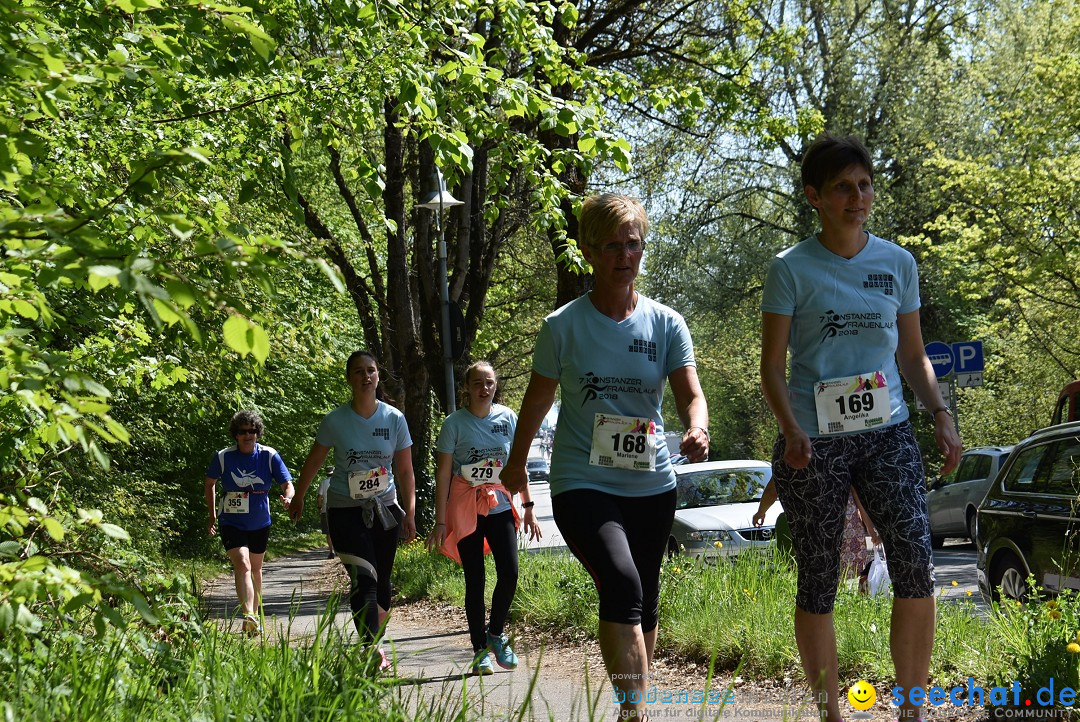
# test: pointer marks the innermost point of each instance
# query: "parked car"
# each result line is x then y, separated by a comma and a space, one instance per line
715, 508
954, 498
1027, 524
539, 470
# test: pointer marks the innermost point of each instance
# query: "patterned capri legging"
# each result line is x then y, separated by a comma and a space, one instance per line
886, 469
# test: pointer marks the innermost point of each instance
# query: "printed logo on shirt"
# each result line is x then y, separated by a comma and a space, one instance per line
501, 428
357, 455
245, 478
475, 456
884, 281
849, 324
646, 347
382, 433
595, 387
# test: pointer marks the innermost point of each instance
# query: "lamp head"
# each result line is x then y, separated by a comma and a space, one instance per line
436, 196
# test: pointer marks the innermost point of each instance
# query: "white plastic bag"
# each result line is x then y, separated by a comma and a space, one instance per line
878, 577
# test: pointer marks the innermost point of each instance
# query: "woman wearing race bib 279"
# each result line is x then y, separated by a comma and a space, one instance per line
612, 483
846, 303
474, 512
371, 500
246, 470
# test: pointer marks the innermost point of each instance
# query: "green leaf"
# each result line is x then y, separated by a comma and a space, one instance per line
10, 549
116, 532
27, 620
236, 334
37, 505
260, 343
25, 309
54, 528
7, 616
165, 312
143, 608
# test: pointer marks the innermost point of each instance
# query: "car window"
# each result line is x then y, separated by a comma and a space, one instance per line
1022, 473
966, 471
721, 486
982, 466
1064, 473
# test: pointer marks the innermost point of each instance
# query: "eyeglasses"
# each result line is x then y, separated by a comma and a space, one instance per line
245, 432
617, 249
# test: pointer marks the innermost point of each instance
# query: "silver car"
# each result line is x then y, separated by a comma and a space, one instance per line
952, 499
715, 509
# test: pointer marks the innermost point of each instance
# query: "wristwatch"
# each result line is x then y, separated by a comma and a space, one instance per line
939, 409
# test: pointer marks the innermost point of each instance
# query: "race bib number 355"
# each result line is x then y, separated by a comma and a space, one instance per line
368, 483
623, 442
852, 403
236, 502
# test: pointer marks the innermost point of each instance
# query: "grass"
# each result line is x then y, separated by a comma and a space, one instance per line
740, 613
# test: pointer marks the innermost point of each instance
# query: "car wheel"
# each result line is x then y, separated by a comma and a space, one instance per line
971, 525
672, 548
1010, 576
936, 541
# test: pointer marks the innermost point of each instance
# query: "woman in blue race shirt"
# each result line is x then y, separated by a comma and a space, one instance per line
610, 354
846, 304
247, 470
371, 500
474, 512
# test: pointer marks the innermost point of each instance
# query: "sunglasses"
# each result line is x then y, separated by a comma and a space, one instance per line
245, 432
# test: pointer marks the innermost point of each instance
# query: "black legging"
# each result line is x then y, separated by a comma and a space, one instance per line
621, 541
502, 538
374, 548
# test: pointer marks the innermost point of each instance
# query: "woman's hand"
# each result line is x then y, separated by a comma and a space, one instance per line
408, 528
797, 450
295, 507
759, 517
212, 529
514, 477
436, 538
531, 526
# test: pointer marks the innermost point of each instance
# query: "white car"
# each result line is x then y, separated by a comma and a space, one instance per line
715, 509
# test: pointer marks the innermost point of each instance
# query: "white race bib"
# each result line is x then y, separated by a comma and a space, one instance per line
623, 442
483, 472
368, 483
852, 403
235, 502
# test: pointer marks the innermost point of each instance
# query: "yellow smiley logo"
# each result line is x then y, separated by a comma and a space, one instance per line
862, 695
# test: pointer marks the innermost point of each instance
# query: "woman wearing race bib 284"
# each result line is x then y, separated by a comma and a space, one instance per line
247, 471
846, 304
371, 500
474, 512
610, 352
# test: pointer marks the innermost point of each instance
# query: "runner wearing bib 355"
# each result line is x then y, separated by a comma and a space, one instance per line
474, 513
612, 484
370, 502
846, 303
247, 471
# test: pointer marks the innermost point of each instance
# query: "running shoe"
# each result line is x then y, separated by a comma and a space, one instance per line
384, 661
481, 666
504, 653
251, 625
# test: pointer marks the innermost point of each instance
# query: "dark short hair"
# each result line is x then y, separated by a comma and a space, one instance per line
476, 366
246, 419
828, 156
364, 353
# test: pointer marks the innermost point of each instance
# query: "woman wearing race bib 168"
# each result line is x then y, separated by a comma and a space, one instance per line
474, 511
612, 483
846, 303
371, 500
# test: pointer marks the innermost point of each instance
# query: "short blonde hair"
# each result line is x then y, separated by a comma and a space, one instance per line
603, 214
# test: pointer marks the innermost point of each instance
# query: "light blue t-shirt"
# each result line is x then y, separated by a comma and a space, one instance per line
843, 317
471, 440
609, 367
361, 444
253, 473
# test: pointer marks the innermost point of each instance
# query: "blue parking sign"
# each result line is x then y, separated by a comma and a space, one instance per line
941, 357
967, 357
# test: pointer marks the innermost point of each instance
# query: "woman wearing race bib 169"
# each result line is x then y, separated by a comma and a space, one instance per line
846, 303
371, 500
612, 483
474, 512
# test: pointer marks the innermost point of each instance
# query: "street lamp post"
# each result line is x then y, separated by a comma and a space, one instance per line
435, 200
